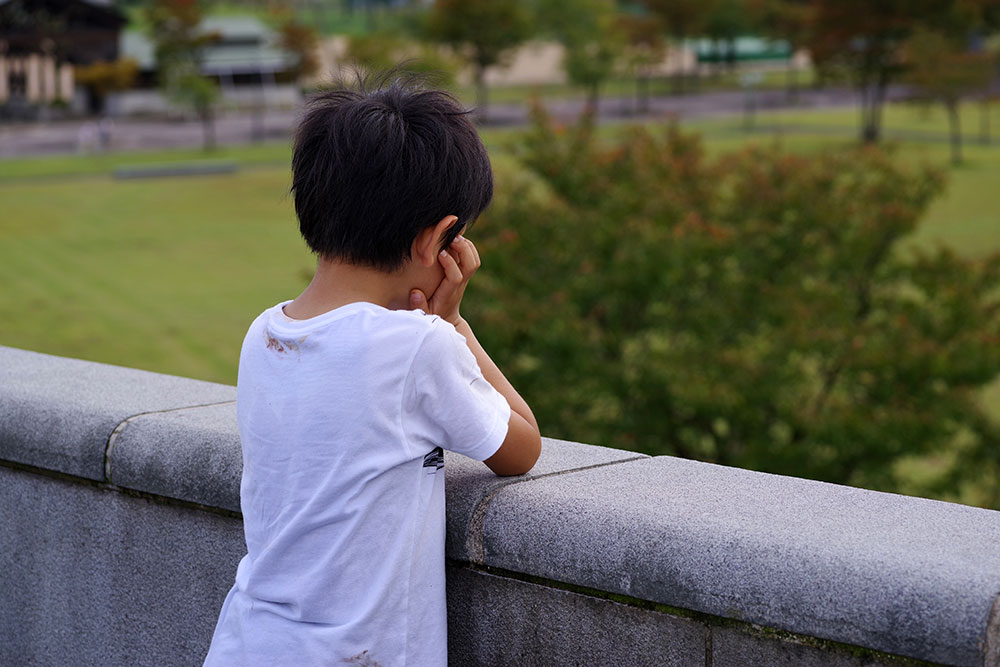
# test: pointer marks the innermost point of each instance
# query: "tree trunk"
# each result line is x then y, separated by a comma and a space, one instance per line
207, 128
955, 131
872, 100
642, 93
869, 132
257, 123
873, 80
593, 99
482, 94
677, 78
791, 82
749, 108
984, 122
719, 58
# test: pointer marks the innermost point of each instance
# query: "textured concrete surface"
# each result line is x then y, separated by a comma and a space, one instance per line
740, 648
58, 413
495, 621
96, 577
470, 485
903, 575
191, 454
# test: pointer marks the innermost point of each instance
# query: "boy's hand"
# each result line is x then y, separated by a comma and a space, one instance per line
459, 261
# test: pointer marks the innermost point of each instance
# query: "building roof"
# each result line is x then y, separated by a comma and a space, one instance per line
80, 31
75, 8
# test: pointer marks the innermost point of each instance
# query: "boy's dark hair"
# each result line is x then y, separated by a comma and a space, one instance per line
377, 162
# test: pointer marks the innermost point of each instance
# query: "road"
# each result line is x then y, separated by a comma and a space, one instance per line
128, 134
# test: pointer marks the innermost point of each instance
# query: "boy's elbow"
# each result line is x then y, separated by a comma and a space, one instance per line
519, 451
528, 456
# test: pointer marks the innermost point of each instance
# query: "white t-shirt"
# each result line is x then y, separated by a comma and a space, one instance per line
342, 419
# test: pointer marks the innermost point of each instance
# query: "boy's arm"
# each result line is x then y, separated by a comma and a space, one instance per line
523, 444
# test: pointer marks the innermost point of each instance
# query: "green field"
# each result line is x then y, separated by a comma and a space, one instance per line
166, 274
158, 274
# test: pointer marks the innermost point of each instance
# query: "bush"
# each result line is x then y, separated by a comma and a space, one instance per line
756, 310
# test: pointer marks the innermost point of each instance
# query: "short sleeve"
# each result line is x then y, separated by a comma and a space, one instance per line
446, 400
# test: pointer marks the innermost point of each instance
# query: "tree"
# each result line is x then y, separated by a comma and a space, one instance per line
179, 43
386, 50
644, 50
189, 88
592, 37
728, 20
302, 40
681, 19
787, 20
484, 31
866, 39
944, 70
753, 309
101, 78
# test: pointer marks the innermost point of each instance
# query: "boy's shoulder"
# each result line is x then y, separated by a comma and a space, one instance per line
352, 314
359, 324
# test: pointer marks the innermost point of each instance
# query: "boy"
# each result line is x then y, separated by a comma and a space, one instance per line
347, 394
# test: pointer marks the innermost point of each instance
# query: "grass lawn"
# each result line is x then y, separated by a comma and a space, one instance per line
274, 154
165, 274
158, 274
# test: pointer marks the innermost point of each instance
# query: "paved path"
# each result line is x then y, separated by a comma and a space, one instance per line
26, 139
127, 134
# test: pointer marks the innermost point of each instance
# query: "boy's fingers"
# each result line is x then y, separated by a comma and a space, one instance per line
452, 271
475, 253
418, 300
469, 257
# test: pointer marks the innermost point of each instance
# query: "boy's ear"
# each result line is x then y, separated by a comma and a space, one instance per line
428, 242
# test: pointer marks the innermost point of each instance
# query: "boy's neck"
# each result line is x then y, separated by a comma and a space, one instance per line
337, 283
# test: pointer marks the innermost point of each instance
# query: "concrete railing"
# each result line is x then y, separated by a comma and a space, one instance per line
119, 513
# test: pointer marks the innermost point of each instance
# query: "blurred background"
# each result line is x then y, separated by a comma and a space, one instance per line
762, 233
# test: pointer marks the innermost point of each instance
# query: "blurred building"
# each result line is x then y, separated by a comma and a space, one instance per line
746, 49
246, 60
41, 41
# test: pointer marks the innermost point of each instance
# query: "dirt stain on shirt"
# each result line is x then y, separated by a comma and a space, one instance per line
274, 344
281, 347
362, 660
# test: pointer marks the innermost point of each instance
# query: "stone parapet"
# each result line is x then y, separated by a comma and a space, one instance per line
119, 506
60, 414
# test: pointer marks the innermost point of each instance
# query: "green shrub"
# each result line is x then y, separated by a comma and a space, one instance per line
754, 310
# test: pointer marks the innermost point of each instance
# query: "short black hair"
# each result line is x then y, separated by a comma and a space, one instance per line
380, 160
